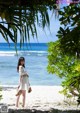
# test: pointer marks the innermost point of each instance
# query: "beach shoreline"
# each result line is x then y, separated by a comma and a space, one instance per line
41, 97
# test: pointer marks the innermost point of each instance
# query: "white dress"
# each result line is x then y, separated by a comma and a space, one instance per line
24, 84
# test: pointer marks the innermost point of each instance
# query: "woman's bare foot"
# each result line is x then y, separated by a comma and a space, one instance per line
23, 106
16, 106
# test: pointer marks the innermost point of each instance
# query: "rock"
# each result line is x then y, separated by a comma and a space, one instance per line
40, 111
65, 111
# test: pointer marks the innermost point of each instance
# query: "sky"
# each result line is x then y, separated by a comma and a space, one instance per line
46, 35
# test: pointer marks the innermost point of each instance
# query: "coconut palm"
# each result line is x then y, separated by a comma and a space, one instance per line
22, 16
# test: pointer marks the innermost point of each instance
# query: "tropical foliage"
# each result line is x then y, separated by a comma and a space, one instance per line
20, 17
69, 35
64, 66
64, 54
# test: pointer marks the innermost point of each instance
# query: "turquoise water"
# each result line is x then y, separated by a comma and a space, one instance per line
36, 64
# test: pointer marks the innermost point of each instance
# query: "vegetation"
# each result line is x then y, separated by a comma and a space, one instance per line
64, 66
69, 35
20, 18
64, 54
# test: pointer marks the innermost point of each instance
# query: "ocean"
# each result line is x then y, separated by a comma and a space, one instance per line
36, 64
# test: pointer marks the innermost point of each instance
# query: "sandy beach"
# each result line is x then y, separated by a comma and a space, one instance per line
41, 97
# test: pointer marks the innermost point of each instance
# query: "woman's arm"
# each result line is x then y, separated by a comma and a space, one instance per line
22, 72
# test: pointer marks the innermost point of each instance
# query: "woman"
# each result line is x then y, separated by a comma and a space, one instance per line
24, 81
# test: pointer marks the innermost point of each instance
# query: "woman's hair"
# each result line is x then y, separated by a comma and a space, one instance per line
19, 62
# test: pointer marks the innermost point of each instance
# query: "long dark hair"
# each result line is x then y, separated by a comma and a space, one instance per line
19, 62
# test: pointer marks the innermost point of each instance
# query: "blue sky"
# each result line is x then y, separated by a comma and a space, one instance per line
46, 35
54, 27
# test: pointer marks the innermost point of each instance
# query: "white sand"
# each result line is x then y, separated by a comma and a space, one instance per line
41, 97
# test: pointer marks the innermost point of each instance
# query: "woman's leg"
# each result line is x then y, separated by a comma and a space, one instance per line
24, 97
17, 101
19, 92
